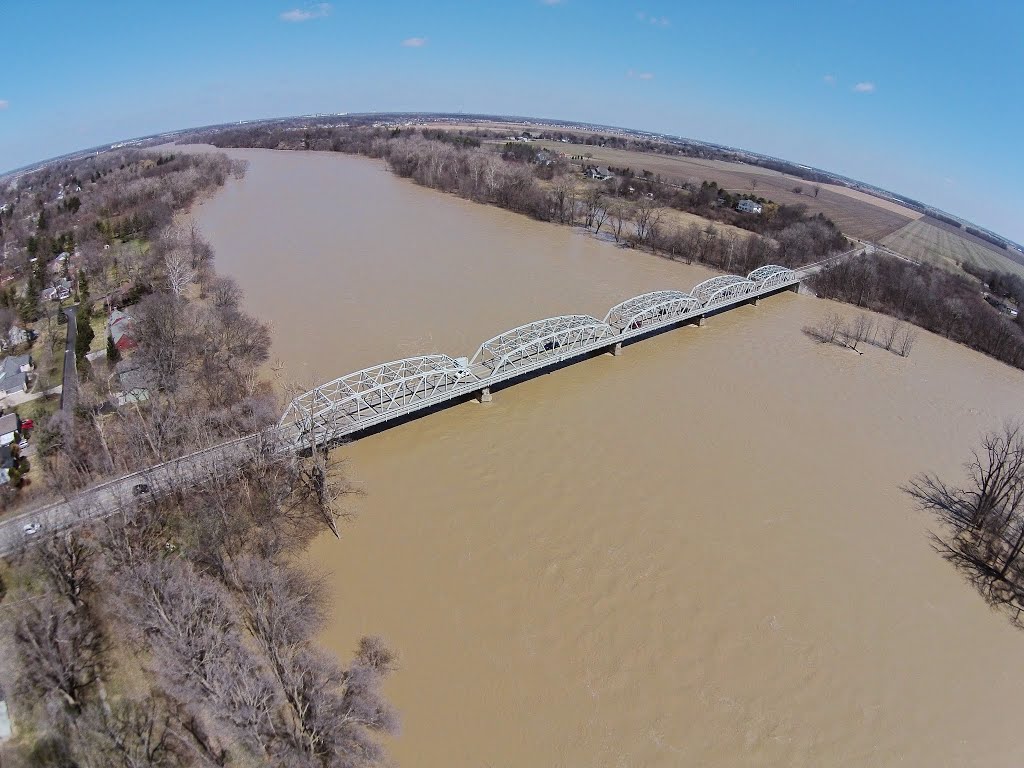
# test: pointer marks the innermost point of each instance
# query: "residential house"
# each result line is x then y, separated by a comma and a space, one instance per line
14, 371
60, 290
10, 426
120, 328
15, 338
543, 157
749, 206
132, 385
600, 173
5, 718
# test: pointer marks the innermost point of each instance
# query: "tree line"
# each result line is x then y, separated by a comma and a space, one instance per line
632, 210
183, 633
946, 304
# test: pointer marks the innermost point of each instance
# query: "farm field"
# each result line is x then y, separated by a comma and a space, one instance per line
924, 241
857, 214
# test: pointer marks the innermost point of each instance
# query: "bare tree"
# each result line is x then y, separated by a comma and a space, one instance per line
620, 213
891, 331
648, 215
180, 271
829, 329
983, 520
59, 651
858, 330
602, 210
907, 340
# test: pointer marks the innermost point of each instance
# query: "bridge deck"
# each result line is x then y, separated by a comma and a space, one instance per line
334, 411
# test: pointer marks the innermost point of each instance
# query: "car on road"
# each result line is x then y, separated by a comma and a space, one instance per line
31, 529
141, 488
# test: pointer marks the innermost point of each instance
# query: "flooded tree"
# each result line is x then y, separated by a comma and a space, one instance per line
982, 519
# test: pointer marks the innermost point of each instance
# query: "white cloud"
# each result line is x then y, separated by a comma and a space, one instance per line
4, 103
657, 21
864, 88
317, 11
634, 75
414, 42
829, 79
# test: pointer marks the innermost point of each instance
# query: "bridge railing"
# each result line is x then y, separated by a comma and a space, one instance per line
380, 393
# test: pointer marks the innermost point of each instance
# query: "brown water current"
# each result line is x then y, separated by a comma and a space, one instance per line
696, 553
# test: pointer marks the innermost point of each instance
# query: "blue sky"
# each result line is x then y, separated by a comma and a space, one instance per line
923, 98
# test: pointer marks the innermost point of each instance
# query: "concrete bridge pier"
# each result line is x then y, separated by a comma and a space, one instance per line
485, 395
617, 349
702, 321
756, 301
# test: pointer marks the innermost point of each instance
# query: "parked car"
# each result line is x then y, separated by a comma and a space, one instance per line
31, 529
27, 424
23, 444
138, 490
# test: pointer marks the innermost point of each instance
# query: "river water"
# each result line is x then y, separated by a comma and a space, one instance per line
696, 553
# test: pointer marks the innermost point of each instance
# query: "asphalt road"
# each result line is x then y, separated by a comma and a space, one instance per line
69, 392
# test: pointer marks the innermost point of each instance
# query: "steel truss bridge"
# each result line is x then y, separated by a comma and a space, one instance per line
382, 393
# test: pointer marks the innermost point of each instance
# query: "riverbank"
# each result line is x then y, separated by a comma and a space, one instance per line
694, 553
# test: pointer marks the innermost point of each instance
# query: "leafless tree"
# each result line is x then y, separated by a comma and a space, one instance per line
907, 340
829, 329
858, 330
620, 213
891, 331
59, 650
180, 272
983, 520
647, 216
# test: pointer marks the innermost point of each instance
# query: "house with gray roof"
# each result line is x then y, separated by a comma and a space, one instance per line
14, 372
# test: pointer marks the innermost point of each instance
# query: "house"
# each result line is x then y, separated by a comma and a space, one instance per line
16, 337
133, 385
543, 157
600, 173
749, 206
10, 426
60, 290
5, 718
14, 372
120, 327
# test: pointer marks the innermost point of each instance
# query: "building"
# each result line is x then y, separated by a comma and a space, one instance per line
600, 173
120, 328
15, 338
749, 206
10, 426
14, 371
60, 290
132, 385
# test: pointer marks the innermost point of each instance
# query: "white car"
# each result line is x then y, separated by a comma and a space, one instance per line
23, 444
31, 529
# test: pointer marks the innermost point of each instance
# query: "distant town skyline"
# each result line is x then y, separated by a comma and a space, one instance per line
863, 89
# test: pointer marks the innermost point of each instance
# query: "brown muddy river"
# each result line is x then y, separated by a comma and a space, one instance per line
696, 553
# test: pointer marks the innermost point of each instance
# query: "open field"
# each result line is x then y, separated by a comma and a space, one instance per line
924, 241
857, 216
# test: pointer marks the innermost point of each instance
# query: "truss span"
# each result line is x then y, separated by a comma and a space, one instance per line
371, 395
716, 289
534, 342
771, 275
651, 308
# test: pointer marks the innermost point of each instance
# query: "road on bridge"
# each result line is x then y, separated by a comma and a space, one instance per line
111, 497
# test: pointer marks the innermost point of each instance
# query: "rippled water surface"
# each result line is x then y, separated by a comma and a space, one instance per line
696, 553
